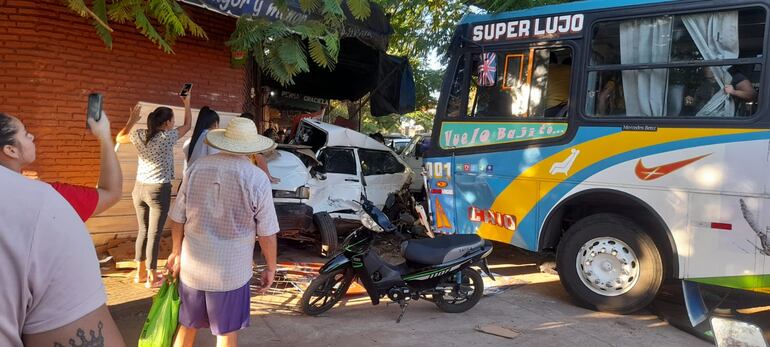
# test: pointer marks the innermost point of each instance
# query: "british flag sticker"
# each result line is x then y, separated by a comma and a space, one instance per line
488, 70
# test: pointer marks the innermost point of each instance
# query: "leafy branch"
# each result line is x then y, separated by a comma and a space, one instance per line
285, 49
162, 21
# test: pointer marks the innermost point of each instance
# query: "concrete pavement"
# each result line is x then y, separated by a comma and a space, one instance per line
539, 309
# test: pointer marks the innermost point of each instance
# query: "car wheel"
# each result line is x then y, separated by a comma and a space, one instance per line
328, 232
608, 263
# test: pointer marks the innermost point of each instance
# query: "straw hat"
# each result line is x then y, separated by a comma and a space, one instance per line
240, 137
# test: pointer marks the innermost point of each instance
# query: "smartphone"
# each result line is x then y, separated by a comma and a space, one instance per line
185, 89
94, 107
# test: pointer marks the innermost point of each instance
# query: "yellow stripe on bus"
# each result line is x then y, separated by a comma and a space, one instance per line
522, 194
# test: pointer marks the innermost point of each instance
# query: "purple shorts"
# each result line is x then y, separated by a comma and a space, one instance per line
223, 312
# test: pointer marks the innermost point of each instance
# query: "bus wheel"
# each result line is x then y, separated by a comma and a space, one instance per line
608, 263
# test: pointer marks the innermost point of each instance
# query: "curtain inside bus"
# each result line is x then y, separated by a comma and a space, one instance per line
716, 36
646, 92
645, 41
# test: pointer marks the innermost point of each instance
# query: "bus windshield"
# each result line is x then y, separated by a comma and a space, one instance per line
532, 83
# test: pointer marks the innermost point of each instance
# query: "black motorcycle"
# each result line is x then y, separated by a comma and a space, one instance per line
436, 269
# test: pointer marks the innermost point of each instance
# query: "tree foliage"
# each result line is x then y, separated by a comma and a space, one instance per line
285, 49
161, 21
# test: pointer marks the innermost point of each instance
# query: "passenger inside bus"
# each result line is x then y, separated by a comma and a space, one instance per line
539, 88
621, 83
557, 90
739, 88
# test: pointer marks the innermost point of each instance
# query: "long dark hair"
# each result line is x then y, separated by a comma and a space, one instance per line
156, 118
8, 130
206, 118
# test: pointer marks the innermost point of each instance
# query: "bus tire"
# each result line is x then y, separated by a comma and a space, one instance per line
606, 262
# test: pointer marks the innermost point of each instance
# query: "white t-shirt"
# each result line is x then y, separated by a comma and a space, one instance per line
48, 268
201, 149
156, 158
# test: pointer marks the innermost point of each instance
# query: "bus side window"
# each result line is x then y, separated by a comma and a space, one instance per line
550, 83
693, 79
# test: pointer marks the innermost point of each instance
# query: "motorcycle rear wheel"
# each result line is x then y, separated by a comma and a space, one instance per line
325, 291
464, 295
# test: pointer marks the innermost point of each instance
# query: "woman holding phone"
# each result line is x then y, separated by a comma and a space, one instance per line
152, 191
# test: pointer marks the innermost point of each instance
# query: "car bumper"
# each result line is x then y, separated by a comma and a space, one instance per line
294, 216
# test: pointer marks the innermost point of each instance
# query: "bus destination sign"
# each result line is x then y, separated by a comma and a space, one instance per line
522, 29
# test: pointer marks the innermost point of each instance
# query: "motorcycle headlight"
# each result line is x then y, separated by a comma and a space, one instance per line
369, 222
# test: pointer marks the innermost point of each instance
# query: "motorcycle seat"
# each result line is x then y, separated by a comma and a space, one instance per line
440, 250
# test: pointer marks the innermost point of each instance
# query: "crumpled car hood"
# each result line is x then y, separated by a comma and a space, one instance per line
289, 169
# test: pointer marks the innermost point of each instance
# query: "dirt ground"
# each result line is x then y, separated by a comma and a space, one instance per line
534, 305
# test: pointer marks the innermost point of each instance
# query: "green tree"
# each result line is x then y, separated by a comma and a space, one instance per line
162, 21
281, 48
284, 49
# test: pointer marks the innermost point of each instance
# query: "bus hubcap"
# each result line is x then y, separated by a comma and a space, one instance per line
607, 266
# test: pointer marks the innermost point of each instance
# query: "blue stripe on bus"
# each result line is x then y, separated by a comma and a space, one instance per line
547, 203
501, 160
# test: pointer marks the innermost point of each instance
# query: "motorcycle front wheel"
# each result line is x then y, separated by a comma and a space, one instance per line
325, 291
467, 289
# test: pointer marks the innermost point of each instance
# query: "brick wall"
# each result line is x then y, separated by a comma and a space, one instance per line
51, 59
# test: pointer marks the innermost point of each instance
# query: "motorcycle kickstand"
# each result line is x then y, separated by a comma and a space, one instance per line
403, 304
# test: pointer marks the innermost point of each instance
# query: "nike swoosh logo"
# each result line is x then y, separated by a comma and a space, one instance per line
653, 173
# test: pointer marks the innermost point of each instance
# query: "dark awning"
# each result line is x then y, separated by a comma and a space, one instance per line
362, 65
374, 31
395, 90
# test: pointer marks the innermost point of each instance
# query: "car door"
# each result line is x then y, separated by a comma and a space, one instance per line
384, 174
339, 183
412, 155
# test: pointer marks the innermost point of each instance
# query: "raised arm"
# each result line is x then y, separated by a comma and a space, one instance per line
123, 134
110, 186
187, 125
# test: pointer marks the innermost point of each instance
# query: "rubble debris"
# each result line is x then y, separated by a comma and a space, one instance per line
498, 330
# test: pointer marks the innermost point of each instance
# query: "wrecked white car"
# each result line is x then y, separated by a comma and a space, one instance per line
324, 173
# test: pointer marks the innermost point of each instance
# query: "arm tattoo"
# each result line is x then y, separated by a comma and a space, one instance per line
93, 341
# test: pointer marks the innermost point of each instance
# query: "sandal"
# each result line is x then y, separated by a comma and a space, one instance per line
155, 284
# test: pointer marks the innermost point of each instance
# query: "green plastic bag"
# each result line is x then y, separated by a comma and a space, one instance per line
161, 323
